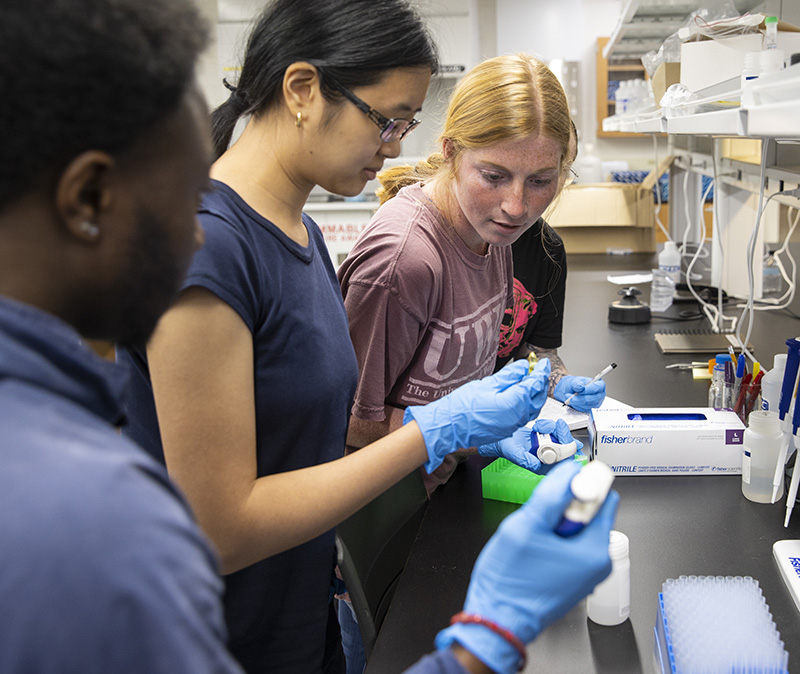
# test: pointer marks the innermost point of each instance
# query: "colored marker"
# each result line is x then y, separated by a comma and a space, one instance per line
741, 369
739, 406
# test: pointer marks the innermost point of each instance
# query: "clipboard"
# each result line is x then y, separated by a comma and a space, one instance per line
696, 341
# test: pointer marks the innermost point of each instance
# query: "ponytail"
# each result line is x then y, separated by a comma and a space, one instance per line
396, 178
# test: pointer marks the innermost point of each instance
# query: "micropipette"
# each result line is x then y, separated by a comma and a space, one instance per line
792, 363
788, 387
792, 495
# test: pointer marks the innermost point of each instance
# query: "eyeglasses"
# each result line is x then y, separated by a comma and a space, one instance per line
573, 176
391, 129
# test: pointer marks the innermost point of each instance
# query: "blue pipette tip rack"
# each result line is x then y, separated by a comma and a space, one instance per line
716, 624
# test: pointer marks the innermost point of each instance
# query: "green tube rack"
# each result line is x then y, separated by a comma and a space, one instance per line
502, 480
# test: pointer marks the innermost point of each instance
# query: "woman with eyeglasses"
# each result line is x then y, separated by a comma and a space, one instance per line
245, 389
428, 282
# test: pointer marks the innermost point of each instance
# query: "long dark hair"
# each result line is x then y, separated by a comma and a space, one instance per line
351, 42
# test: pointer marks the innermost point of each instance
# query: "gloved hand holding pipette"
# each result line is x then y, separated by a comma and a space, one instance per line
527, 576
582, 393
482, 411
519, 448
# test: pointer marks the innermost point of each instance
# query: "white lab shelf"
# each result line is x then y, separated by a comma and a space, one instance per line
771, 109
776, 120
717, 123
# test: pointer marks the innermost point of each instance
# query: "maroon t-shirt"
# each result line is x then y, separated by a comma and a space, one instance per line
424, 310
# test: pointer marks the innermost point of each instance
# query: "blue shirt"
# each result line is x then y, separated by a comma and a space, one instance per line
101, 567
305, 377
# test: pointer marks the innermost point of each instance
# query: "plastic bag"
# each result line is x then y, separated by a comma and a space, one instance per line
719, 18
676, 99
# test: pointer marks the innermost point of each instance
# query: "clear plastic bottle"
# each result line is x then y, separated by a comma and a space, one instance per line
621, 97
771, 383
610, 602
752, 66
717, 387
771, 58
771, 32
669, 259
662, 288
762, 442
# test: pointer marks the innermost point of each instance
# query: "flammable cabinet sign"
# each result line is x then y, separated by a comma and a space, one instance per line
668, 440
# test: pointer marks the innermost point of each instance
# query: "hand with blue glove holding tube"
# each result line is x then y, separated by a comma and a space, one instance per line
527, 576
521, 449
552, 442
481, 411
581, 393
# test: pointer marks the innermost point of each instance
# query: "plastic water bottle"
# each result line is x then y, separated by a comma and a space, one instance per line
662, 289
669, 259
621, 98
762, 442
610, 602
771, 383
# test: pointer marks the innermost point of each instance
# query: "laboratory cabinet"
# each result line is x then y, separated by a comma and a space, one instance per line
610, 73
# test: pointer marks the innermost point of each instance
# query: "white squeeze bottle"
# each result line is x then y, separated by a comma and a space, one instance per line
610, 602
762, 442
771, 384
669, 259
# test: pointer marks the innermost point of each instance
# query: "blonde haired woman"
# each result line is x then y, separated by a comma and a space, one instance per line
428, 282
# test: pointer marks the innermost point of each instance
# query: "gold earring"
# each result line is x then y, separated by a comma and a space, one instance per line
89, 229
299, 121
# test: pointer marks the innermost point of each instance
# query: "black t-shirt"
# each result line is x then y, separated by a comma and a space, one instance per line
540, 280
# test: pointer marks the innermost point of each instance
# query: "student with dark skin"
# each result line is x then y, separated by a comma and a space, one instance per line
106, 154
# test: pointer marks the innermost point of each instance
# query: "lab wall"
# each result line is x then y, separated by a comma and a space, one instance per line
468, 31
568, 30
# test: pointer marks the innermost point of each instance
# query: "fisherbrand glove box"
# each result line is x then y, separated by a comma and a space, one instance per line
668, 441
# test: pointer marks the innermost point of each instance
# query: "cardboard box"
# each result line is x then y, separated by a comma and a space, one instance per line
705, 63
664, 77
594, 218
668, 440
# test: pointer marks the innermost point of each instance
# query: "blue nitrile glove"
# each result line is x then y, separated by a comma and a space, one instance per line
558, 429
586, 398
527, 576
481, 411
516, 449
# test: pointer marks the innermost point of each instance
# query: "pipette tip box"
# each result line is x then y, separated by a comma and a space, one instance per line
502, 480
716, 624
668, 440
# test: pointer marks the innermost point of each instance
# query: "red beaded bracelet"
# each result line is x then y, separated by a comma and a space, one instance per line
511, 638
